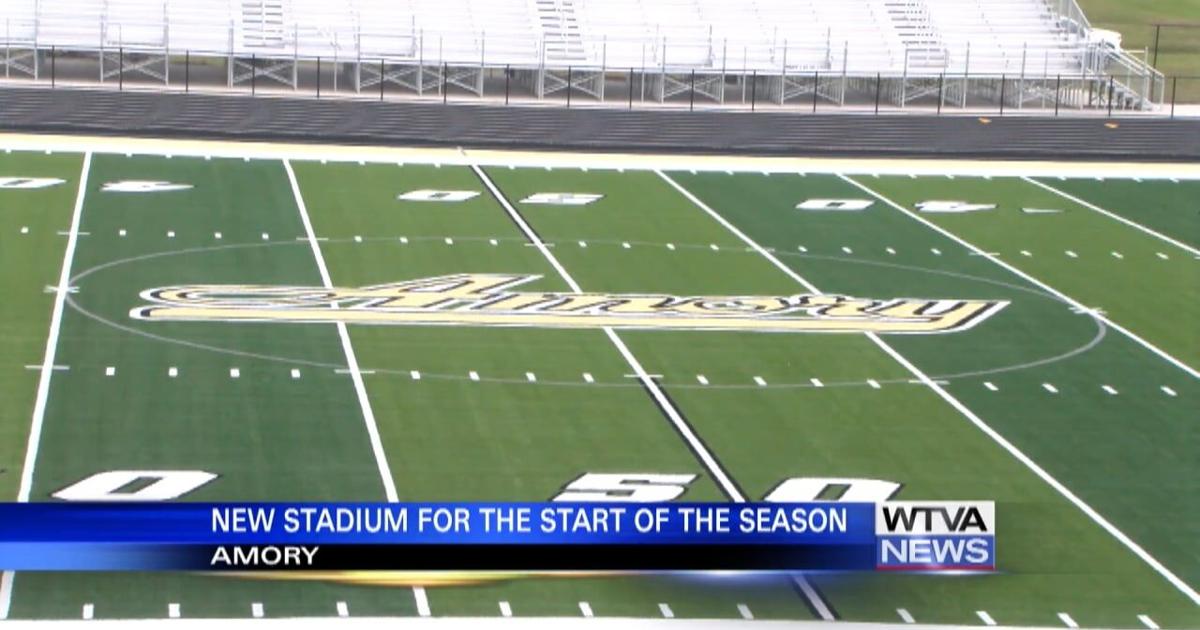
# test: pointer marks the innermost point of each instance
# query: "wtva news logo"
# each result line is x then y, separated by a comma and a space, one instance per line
935, 536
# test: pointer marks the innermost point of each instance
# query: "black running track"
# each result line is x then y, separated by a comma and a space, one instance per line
402, 123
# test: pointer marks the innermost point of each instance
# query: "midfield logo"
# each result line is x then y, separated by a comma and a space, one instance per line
487, 299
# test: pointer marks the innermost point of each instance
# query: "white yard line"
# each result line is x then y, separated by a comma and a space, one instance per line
951, 400
651, 385
697, 446
1116, 217
43, 390
1049, 289
360, 389
1162, 570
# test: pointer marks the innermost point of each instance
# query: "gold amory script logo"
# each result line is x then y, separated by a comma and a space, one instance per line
487, 299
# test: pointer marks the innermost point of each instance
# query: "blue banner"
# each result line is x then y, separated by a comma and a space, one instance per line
469, 536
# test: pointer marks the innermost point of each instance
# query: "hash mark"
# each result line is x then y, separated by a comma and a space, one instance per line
256, 610
505, 609
1025, 252
936, 251
1067, 620
587, 377
803, 249
1168, 391
173, 610
1108, 389
759, 381
848, 250
891, 251
985, 618
745, 611
1163, 256
666, 611
816, 382
713, 246
873, 383
1148, 622
990, 386
585, 608
905, 615
703, 380
1050, 388
343, 610
531, 377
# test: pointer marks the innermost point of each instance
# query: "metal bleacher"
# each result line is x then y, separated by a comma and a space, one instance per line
823, 48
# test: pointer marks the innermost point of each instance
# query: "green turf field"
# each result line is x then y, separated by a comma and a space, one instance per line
1072, 404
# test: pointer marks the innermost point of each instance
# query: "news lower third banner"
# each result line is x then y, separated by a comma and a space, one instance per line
820, 536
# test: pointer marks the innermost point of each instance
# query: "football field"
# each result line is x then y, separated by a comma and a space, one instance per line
208, 326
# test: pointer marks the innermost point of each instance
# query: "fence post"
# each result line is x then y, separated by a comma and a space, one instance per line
187, 71
1174, 91
381, 81
631, 87
816, 82
253, 74
52, 66
878, 90
507, 79
1111, 86
570, 75
1003, 84
941, 88
692, 96
120, 69
753, 88
318, 77
445, 85
1057, 92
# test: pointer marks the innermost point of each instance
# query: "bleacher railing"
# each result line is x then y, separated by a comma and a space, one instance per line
335, 60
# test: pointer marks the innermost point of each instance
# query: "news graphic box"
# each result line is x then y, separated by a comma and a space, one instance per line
936, 535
